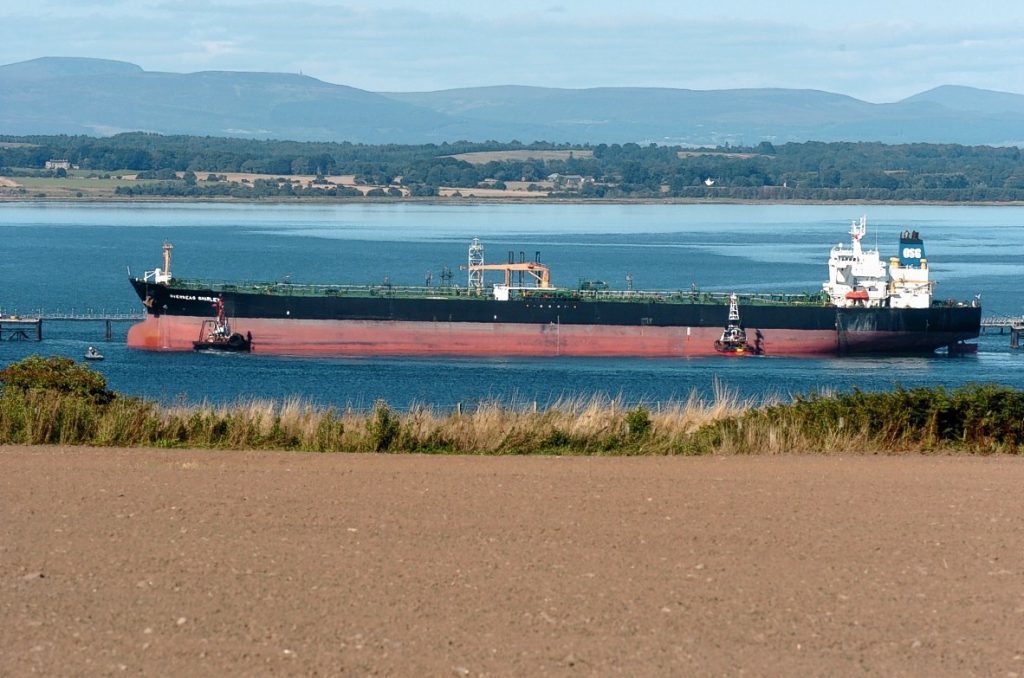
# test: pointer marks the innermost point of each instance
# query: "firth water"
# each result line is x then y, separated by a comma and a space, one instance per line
74, 258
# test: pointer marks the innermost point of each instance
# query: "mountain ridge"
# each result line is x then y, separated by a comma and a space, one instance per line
110, 96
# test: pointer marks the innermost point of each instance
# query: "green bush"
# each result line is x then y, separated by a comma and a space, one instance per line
638, 422
383, 427
976, 418
556, 439
329, 433
56, 374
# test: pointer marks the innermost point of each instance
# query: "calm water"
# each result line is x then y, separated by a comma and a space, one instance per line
75, 258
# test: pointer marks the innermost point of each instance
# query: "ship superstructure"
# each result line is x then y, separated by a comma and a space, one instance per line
859, 278
909, 286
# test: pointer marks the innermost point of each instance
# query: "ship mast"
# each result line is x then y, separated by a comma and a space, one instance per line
476, 262
857, 231
167, 259
734, 310
158, 275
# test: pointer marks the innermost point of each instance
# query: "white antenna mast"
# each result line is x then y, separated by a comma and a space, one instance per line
476, 259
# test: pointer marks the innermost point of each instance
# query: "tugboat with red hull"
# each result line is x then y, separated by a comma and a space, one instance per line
216, 335
867, 306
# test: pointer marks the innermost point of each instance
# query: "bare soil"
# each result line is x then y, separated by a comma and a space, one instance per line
211, 563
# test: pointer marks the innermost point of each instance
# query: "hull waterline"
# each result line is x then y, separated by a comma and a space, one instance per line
372, 337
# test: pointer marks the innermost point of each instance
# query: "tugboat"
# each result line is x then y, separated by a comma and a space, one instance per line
216, 335
734, 338
92, 354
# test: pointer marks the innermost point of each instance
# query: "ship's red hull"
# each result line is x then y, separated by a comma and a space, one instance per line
370, 337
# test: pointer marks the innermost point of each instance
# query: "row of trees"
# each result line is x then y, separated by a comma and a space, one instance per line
809, 170
260, 188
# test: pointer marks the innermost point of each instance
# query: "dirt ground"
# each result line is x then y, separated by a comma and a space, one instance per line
210, 563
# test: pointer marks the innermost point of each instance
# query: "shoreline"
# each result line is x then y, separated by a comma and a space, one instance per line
113, 200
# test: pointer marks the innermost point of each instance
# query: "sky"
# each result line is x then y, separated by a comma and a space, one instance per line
878, 51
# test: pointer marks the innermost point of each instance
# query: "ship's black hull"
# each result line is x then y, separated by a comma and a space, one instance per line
390, 323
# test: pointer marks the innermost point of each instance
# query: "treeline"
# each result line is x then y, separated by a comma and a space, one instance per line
799, 171
216, 187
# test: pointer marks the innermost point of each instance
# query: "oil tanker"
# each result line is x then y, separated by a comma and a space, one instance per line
867, 306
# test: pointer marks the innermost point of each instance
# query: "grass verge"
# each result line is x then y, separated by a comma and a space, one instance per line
56, 401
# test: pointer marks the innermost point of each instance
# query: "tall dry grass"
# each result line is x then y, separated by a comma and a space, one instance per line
594, 425
974, 419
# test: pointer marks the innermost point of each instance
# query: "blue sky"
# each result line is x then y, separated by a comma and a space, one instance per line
872, 50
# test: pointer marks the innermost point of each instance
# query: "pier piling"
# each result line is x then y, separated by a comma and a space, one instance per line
14, 328
1014, 325
18, 329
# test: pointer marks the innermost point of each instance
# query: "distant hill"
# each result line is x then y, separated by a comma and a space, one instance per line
60, 95
984, 101
653, 114
89, 96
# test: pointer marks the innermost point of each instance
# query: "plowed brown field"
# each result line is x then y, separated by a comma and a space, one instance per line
213, 563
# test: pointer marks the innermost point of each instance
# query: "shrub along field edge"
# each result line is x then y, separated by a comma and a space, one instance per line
57, 401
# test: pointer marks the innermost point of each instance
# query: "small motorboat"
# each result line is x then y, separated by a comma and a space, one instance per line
92, 354
216, 335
